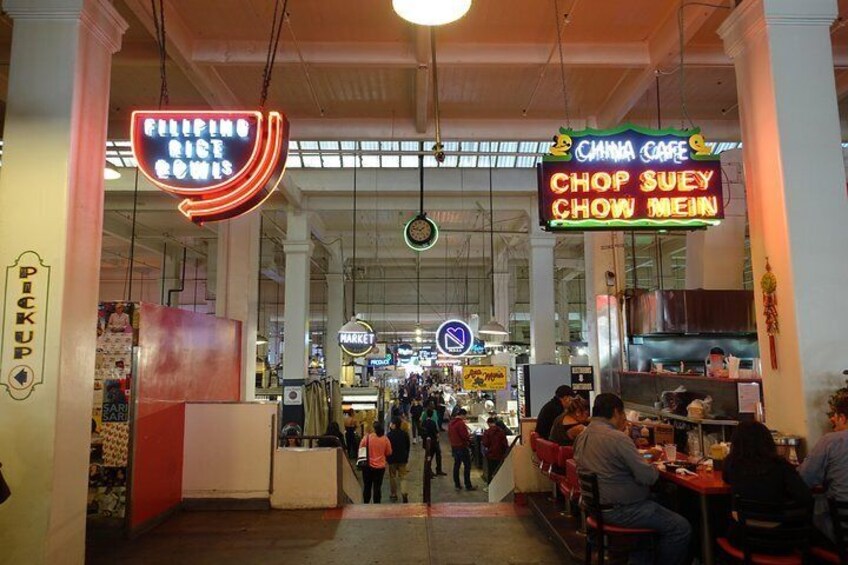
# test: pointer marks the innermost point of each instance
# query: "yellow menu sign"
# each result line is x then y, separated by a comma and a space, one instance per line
476, 377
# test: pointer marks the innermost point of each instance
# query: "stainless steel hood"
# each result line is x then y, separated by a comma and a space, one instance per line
692, 312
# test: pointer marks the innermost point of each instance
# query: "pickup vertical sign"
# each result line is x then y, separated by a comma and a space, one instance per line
24, 333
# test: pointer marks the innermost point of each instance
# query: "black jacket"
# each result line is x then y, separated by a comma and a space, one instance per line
430, 429
547, 416
400, 446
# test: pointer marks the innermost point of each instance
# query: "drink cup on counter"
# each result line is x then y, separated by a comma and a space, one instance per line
670, 452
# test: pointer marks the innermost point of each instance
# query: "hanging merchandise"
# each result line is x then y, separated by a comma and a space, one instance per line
768, 284
221, 163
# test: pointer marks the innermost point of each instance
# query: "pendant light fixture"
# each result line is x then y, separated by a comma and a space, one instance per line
431, 12
493, 327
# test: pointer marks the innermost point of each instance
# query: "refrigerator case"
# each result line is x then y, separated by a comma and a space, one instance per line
537, 384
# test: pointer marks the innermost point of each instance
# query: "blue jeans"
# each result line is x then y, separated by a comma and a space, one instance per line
461, 456
673, 530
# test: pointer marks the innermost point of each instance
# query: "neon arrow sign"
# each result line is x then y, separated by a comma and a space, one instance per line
222, 163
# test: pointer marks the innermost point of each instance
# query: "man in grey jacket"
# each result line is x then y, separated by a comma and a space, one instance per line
624, 481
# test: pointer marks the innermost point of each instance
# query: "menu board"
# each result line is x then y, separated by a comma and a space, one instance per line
748, 396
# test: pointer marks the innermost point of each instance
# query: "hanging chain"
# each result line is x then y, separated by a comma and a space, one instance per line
273, 45
353, 271
159, 26
439, 148
562, 64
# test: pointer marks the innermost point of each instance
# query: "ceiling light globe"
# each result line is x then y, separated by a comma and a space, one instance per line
431, 12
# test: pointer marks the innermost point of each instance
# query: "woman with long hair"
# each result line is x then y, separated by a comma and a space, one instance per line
572, 423
756, 472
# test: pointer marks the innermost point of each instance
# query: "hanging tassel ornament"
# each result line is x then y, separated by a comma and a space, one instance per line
768, 284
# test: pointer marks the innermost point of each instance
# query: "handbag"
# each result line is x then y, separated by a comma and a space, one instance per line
364, 454
5, 492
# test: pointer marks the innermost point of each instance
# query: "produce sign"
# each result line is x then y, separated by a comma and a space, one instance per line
484, 378
223, 164
629, 177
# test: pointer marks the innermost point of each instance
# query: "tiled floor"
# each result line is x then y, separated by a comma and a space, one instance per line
446, 534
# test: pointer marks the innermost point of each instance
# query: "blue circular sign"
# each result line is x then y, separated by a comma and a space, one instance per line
454, 338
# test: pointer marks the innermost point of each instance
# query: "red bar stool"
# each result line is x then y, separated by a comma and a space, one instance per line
600, 534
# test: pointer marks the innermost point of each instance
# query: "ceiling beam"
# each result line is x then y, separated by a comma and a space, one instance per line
663, 47
395, 55
180, 44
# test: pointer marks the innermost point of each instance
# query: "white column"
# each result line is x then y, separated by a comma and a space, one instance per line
542, 309
237, 288
603, 253
563, 308
795, 179
51, 204
335, 314
298, 250
502, 278
715, 257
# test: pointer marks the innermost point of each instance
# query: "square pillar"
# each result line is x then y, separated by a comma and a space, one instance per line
603, 252
298, 249
715, 257
797, 207
542, 305
237, 288
335, 314
51, 220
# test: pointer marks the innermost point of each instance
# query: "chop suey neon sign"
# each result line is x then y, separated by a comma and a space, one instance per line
629, 177
223, 164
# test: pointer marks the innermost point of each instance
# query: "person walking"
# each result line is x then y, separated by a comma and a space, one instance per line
430, 430
350, 433
416, 410
398, 460
460, 441
495, 443
379, 447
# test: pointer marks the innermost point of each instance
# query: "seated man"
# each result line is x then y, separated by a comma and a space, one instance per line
827, 466
624, 480
552, 410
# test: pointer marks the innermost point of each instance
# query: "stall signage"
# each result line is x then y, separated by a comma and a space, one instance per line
454, 338
222, 164
629, 177
24, 334
405, 352
359, 342
484, 377
583, 380
386, 361
478, 349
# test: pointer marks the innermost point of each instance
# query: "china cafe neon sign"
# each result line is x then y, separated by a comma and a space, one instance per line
629, 177
221, 163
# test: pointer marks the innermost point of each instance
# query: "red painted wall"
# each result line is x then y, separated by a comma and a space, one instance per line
183, 356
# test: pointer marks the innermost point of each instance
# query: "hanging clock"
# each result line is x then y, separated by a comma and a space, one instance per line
421, 233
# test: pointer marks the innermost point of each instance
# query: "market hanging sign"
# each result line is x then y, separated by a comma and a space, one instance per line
23, 339
357, 338
629, 177
223, 164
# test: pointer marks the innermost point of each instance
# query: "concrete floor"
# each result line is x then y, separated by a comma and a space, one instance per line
442, 487
446, 534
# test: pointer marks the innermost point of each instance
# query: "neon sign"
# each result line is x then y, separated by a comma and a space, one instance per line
629, 177
223, 164
358, 341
